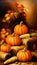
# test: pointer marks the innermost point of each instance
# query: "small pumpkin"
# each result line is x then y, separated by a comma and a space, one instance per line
5, 48
23, 55
5, 32
21, 29
13, 40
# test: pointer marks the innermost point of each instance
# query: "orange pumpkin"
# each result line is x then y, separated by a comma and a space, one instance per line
21, 29
24, 55
5, 48
13, 40
5, 32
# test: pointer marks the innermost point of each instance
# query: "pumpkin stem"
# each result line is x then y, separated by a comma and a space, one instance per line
13, 34
25, 49
6, 34
21, 22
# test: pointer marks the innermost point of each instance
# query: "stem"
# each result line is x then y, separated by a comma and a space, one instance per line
21, 22
25, 49
13, 34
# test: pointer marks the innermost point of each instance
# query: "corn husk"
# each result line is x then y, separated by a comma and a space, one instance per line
17, 48
4, 56
10, 60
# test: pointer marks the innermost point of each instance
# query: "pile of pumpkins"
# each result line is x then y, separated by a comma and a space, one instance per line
9, 40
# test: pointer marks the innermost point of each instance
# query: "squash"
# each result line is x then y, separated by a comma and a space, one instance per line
4, 32
5, 48
21, 29
24, 55
13, 40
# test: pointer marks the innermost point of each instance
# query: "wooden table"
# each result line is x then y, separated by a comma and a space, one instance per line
30, 63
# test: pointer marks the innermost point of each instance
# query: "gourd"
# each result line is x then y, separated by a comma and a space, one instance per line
5, 48
4, 32
13, 40
24, 55
21, 29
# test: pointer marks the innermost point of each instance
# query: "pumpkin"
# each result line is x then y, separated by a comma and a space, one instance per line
5, 48
24, 55
13, 40
5, 32
21, 29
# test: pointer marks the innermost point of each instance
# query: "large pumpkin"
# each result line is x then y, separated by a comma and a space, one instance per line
21, 29
24, 55
13, 40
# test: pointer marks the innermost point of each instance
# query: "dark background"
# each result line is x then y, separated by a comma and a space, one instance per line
4, 6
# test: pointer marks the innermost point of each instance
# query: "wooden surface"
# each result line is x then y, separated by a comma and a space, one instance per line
21, 63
